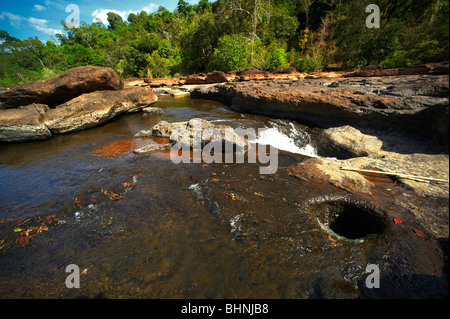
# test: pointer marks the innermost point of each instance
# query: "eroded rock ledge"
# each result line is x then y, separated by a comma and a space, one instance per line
416, 103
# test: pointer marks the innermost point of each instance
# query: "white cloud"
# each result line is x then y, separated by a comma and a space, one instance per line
14, 19
41, 25
59, 4
38, 7
101, 14
37, 24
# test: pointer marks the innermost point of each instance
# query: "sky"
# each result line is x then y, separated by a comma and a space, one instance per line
42, 18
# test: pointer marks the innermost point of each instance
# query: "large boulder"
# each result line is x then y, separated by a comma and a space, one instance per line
91, 109
62, 88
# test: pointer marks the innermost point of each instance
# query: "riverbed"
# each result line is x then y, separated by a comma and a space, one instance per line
141, 226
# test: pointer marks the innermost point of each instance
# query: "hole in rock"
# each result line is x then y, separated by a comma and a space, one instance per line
351, 220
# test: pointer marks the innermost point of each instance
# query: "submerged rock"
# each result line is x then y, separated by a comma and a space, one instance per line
152, 110
152, 148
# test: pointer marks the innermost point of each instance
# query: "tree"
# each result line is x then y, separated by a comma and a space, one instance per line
198, 42
204, 6
114, 20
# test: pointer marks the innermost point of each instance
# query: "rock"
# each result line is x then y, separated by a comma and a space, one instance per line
152, 110
329, 170
353, 141
321, 75
377, 70
220, 77
199, 123
394, 102
195, 79
427, 165
187, 132
286, 74
179, 93
253, 74
92, 109
23, 124
290, 70
152, 148
62, 88
162, 129
158, 82
134, 82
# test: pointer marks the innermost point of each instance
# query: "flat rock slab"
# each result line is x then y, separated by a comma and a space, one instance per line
412, 102
92, 109
23, 124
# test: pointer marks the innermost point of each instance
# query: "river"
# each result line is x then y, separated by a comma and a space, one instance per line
140, 226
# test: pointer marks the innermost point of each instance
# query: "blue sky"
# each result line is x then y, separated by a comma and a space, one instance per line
42, 18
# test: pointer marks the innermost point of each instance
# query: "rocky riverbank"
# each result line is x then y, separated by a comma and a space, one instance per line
384, 120
80, 98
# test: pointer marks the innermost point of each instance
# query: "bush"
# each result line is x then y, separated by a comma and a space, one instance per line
308, 64
277, 57
233, 52
157, 66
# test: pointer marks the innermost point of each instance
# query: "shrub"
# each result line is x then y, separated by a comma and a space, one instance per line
308, 64
277, 58
233, 52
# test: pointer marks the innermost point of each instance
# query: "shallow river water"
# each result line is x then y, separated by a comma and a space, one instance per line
140, 226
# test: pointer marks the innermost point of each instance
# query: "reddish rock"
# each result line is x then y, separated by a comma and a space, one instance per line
322, 75
195, 79
134, 82
377, 70
253, 74
220, 77
62, 88
430, 68
290, 70
158, 82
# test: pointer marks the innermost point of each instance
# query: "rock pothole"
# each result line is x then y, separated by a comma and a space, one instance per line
349, 219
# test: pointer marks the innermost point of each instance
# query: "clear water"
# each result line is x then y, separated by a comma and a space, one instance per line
184, 230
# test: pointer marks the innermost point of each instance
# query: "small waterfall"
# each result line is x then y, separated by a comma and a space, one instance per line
286, 136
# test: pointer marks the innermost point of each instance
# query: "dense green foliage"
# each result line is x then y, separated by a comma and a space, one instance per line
236, 34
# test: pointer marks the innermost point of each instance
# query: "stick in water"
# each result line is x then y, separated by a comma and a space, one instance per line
418, 178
